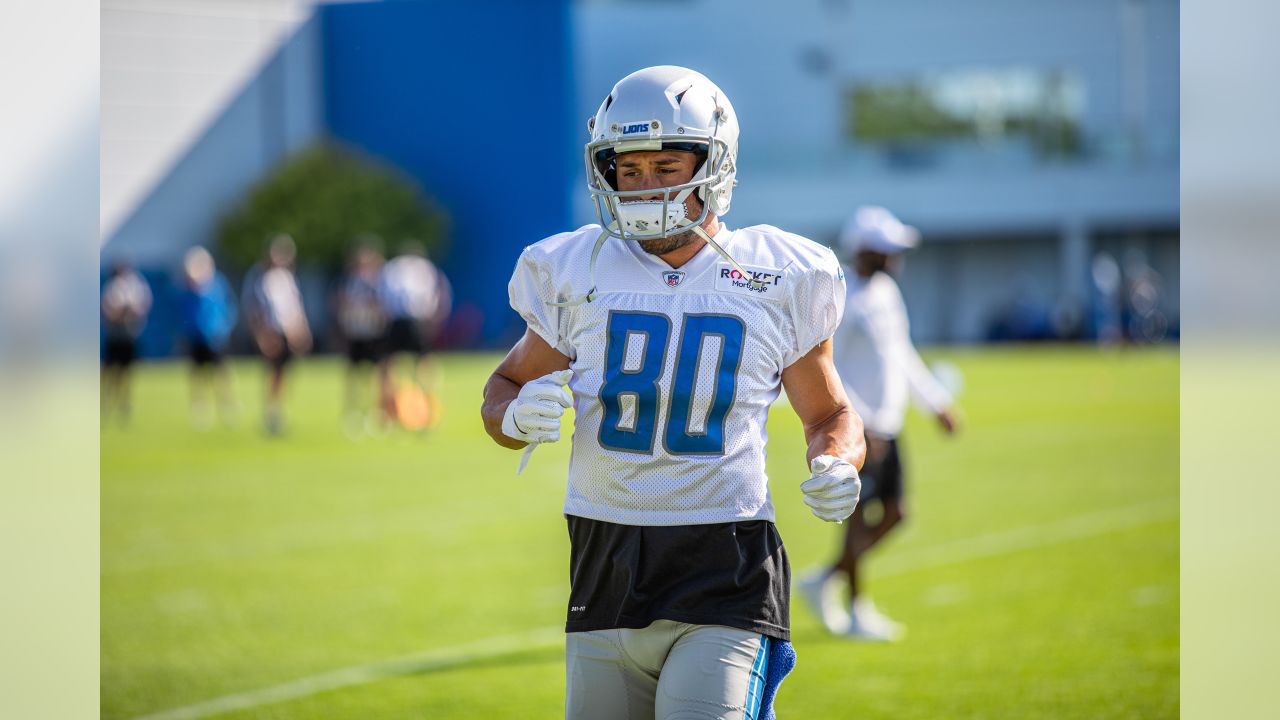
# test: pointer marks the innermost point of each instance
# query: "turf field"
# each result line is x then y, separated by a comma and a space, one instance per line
316, 576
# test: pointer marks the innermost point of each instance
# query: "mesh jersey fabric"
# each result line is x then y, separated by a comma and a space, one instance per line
674, 370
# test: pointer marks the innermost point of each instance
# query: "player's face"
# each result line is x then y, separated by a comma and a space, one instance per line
869, 263
648, 170
653, 170
280, 258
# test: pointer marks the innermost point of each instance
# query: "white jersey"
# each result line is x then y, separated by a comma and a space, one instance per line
412, 287
876, 360
674, 370
273, 294
126, 300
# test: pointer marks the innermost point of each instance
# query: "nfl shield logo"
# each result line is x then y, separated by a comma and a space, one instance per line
673, 278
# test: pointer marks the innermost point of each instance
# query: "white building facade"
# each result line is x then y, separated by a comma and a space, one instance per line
1023, 138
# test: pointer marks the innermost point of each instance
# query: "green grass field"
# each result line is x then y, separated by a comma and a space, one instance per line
314, 576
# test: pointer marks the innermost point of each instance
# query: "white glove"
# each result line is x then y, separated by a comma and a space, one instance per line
534, 416
832, 489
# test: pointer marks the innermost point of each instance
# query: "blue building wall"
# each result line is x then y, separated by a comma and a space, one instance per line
475, 100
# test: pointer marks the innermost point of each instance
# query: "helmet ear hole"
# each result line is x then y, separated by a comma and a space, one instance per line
700, 169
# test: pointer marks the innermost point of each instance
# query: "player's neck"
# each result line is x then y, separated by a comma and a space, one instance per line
685, 253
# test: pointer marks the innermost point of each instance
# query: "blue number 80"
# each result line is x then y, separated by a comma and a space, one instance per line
640, 384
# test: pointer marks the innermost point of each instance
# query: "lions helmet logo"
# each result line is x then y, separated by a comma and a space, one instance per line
673, 278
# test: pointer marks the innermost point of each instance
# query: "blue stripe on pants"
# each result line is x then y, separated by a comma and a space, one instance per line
755, 689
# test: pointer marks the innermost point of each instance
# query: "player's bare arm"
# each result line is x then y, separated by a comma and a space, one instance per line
833, 431
268, 342
530, 359
831, 427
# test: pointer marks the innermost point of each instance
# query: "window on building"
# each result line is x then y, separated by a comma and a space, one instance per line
986, 106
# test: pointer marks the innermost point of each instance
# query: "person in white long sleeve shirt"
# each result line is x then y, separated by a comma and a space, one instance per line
880, 370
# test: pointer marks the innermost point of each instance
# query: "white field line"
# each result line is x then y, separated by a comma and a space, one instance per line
1025, 538
361, 674
906, 561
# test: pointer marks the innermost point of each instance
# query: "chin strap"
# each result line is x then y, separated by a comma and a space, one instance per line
751, 279
591, 294
604, 235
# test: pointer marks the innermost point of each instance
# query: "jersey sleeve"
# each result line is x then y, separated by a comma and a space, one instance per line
817, 305
531, 290
924, 387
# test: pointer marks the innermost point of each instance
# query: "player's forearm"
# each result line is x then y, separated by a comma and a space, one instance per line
838, 435
498, 394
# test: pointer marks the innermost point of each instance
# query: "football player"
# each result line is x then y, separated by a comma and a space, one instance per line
208, 311
416, 298
675, 334
126, 303
361, 323
880, 368
273, 307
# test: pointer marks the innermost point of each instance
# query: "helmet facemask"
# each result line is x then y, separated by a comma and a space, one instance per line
650, 219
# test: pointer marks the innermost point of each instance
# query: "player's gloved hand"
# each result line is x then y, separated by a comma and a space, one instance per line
832, 489
534, 416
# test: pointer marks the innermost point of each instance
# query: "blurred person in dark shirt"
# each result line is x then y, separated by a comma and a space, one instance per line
362, 323
126, 302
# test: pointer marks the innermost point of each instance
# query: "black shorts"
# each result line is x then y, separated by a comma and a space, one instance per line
405, 335
882, 478
120, 352
625, 576
203, 354
365, 351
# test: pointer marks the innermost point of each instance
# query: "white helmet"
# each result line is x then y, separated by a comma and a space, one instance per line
874, 228
662, 107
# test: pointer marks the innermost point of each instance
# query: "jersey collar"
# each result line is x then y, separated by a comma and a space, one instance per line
676, 279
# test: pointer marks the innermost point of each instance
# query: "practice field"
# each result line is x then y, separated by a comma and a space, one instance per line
315, 576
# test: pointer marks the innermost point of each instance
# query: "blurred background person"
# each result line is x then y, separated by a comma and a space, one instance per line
1107, 299
416, 297
361, 324
273, 308
880, 368
1143, 297
208, 314
126, 302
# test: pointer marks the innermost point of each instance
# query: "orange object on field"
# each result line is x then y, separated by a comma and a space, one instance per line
414, 408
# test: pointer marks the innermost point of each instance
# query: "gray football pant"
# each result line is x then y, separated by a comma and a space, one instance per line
667, 671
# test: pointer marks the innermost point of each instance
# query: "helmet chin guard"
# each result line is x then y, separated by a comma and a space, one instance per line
641, 217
